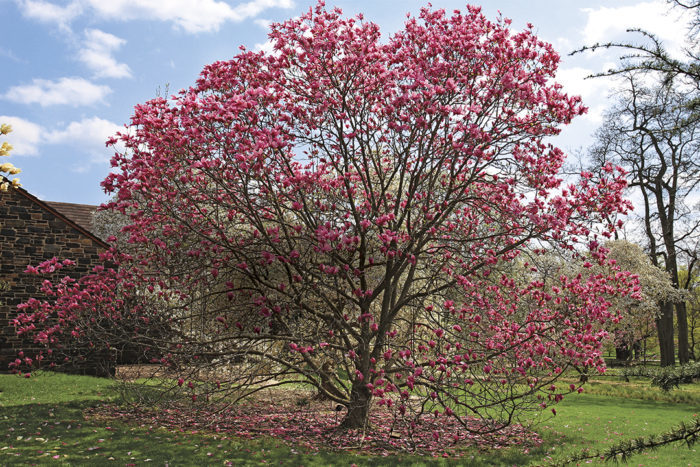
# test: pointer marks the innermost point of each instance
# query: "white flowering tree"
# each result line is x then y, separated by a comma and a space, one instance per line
638, 321
7, 167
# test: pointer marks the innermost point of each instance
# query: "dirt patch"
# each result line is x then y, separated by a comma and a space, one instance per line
134, 372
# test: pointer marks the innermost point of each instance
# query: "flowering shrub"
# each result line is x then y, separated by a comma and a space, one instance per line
7, 167
348, 212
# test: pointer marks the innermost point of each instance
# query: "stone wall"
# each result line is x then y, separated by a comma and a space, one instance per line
31, 232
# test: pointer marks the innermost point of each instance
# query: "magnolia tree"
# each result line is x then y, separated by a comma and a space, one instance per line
7, 167
343, 211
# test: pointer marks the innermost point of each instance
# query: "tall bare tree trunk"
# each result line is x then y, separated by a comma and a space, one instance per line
682, 321
681, 314
664, 326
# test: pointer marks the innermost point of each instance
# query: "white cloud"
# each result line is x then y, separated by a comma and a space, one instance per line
65, 91
563, 45
191, 16
87, 136
255, 7
97, 51
268, 47
593, 91
48, 12
91, 132
610, 23
263, 23
25, 137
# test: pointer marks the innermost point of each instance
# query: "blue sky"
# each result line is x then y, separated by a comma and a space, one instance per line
73, 70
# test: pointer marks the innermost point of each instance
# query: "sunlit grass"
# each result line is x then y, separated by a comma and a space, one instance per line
42, 422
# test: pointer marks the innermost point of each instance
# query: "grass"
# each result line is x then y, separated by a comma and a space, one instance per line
595, 422
42, 422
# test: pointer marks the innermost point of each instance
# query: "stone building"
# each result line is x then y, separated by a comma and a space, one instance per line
31, 231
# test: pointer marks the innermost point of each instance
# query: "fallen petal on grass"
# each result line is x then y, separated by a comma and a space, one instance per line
319, 429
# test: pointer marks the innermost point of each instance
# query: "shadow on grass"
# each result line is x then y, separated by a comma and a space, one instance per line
59, 433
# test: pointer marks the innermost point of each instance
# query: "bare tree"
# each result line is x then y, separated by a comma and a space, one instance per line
652, 133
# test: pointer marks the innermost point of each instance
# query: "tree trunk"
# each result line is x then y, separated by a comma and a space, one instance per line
691, 332
682, 320
664, 327
637, 348
358, 410
623, 354
681, 314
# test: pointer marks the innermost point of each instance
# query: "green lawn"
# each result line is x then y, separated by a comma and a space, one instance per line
42, 422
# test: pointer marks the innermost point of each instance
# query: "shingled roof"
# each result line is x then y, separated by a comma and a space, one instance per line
81, 214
